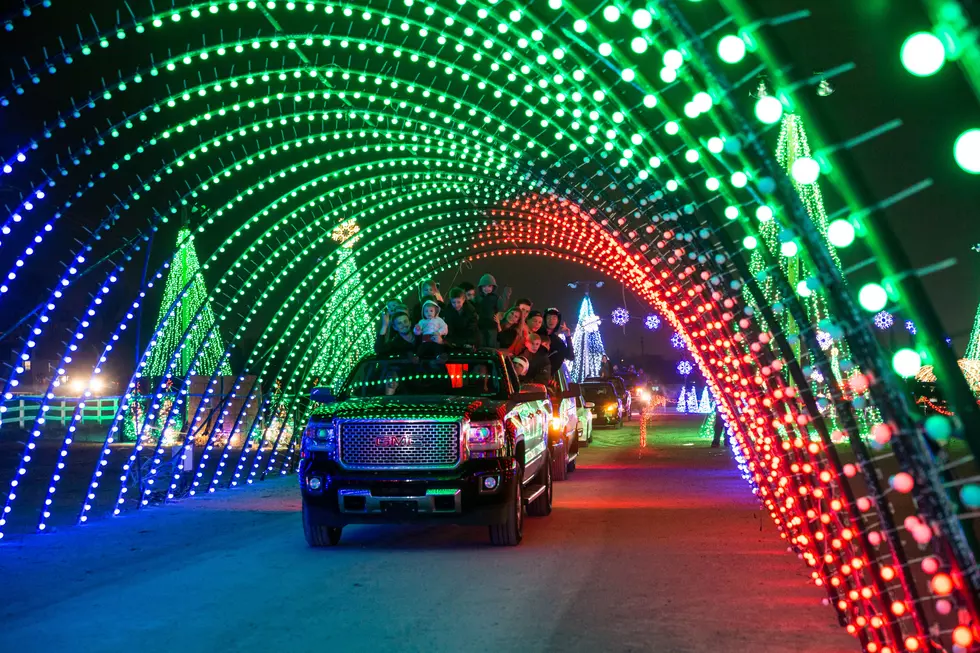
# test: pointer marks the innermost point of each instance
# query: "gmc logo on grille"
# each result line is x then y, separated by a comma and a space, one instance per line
394, 441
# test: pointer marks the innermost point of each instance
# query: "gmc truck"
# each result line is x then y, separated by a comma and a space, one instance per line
449, 439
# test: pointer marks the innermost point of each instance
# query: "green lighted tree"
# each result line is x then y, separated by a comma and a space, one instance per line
973, 347
185, 269
351, 335
791, 147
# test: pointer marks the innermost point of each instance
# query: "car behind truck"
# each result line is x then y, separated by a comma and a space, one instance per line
452, 439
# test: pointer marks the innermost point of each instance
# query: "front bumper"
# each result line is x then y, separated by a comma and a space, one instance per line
458, 496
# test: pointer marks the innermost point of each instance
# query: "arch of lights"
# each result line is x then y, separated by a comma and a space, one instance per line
408, 137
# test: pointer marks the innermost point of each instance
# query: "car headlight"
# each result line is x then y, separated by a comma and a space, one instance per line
321, 436
556, 423
611, 407
485, 436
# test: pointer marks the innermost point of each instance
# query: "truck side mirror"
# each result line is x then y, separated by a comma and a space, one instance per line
323, 395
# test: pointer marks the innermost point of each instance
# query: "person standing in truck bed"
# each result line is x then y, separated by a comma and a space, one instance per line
488, 304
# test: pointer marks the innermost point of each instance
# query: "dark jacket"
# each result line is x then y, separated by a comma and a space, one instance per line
393, 345
539, 367
561, 350
486, 307
462, 325
606, 370
506, 338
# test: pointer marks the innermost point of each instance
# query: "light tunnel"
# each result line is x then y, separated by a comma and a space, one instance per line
214, 200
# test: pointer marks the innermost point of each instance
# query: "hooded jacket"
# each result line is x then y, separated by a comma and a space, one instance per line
434, 328
489, 304
561, 350
417, 310
462, 325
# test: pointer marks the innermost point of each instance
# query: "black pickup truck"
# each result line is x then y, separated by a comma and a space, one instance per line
451, 439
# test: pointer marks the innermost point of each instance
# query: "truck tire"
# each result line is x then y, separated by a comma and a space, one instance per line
559, 463
317, 533
541, 507
511, 531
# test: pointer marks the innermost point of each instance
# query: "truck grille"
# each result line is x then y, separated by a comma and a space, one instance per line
399, 444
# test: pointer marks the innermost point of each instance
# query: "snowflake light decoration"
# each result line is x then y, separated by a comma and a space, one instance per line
825, 340
910, 326
620, 316
684, 368
884, 320
677, 341
652, 322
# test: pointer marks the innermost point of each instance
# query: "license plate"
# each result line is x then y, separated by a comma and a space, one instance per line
400, 507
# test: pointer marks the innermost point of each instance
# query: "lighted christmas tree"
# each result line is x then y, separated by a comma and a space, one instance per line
185, 272
587, 343
973, 347
793, 155
350, 335
706, 405
969, 364
682, 401
692, 400
791, 149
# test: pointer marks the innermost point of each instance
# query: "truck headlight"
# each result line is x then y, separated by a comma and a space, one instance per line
556, 423
485, 436
611, 408
321, 436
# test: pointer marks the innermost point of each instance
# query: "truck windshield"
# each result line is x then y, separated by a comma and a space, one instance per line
459, 376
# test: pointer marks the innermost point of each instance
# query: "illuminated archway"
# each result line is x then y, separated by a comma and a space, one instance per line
335, 153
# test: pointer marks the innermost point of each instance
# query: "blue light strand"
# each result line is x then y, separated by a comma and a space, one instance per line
39, 420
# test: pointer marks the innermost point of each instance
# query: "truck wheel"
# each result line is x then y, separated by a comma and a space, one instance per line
541, 507
317, 533
559, 463
511, 531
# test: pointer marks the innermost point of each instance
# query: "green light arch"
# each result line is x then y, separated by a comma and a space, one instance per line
522, 133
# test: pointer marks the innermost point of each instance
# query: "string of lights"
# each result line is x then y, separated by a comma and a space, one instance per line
484, 132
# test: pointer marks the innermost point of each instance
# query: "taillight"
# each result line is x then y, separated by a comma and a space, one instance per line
485, 436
